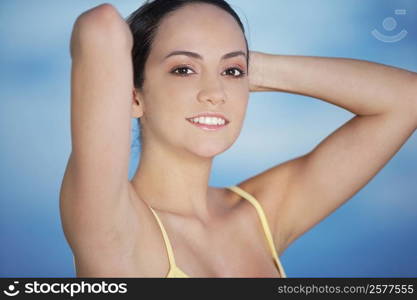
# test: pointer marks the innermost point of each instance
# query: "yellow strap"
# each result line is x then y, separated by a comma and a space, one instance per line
261, 214
264, 222
176, 272
166, 240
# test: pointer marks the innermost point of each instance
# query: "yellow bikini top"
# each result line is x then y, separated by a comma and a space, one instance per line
176, 272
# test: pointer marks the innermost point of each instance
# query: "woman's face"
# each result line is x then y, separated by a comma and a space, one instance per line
181, 86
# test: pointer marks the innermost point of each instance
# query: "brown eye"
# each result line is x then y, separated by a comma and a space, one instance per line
181, 71
235, 72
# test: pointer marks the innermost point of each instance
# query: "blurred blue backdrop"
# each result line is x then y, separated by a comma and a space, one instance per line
372, 235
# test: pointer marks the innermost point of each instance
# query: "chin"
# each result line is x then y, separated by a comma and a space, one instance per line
209, 150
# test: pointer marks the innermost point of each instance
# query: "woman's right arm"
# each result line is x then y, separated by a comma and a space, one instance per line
96, 177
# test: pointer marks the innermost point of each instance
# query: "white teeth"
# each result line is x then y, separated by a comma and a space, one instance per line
209, 120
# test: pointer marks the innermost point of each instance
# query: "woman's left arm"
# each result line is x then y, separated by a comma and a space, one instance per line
301, 192
362, 87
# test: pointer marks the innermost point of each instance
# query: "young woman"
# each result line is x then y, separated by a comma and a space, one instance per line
183, 68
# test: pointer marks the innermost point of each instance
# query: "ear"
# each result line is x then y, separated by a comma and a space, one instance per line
137, 104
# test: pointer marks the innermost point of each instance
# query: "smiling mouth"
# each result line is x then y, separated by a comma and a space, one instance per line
208, 124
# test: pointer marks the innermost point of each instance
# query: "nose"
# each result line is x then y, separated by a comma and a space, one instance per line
212, 91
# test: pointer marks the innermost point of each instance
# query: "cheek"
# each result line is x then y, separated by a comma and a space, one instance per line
168, 104
239, 96
167, 92
239, 104
178, 87
178, 96
239, 87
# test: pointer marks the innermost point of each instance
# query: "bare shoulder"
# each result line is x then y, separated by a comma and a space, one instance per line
270, 188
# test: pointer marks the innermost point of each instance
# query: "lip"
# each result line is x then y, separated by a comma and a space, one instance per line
207, 126
210, 114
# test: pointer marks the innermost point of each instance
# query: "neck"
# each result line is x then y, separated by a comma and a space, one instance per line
174, 181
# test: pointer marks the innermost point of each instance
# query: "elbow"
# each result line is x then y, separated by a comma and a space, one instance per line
102, 26
99, 16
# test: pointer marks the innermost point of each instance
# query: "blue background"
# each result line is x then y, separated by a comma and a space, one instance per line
372, 235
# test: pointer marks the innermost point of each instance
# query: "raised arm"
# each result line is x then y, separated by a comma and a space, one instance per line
301, 192
95, 185
362, 87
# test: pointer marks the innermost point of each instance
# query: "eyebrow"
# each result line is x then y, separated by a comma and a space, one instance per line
198, 56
